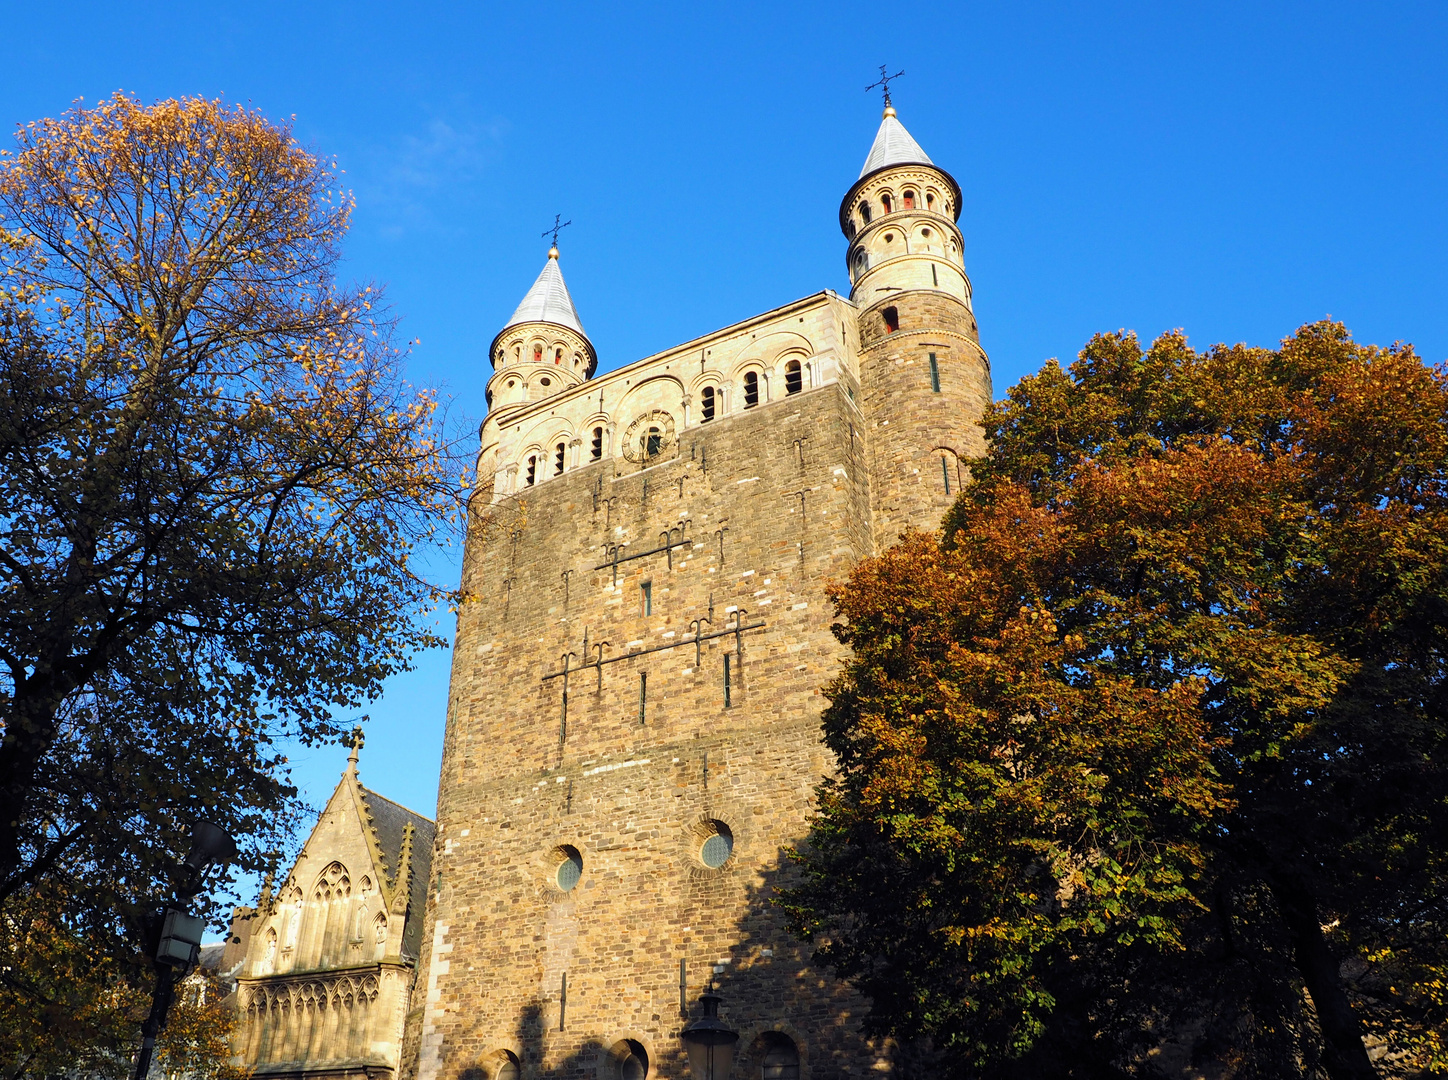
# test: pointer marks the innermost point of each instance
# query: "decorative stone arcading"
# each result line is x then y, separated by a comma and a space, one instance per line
310, 992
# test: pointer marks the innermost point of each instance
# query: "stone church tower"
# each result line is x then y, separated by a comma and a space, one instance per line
633, 730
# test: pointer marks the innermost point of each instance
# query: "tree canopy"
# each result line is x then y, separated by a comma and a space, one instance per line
1151, 738
213, 481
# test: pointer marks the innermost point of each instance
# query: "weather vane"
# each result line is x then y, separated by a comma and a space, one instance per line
884, 83
557, 228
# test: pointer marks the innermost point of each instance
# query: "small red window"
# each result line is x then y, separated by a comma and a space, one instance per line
892, 320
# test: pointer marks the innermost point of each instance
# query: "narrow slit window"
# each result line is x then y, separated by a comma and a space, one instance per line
706, 404
751, 389
532, 471
727, 688
934, 374
945, 472
865, 212
559, 453
892, 319
643, 695
597, 449
646, 597
793, 377
934, 277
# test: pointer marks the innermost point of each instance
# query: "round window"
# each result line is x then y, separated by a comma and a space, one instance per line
717, 848
889, 236
545, 382
570, 869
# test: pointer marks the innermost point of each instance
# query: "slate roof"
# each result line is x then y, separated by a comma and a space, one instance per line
390, 821
548, 300
893, 146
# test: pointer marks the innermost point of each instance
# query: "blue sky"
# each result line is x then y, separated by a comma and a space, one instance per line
1232, 169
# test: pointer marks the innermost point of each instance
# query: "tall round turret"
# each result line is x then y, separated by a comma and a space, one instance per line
542, 349
924, 379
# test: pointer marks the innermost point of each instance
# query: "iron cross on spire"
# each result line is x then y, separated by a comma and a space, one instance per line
557, 228
884, 83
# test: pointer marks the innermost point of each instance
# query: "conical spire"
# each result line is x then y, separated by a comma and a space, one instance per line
893, 146
548, 300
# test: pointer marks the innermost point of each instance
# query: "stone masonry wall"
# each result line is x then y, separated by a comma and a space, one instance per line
764, 507
919, 436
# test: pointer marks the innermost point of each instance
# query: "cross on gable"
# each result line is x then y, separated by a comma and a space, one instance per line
884, 83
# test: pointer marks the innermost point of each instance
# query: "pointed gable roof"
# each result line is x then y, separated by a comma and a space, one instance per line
398, 840
893, 145
548, 300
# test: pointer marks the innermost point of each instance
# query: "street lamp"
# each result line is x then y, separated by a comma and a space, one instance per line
710, 1041
173, 935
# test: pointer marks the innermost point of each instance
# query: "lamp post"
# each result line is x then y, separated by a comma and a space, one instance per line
709, 1041
173, 935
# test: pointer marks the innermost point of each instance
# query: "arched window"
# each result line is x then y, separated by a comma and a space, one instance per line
751, 389
907, 200
865, 212
558, 356
885, 202
559, 452
597, 449
706, 404
538, 353
627, 1060
950, 471
532, 470
793, 378
507, 1068
781, 1058
892, 319
930, 200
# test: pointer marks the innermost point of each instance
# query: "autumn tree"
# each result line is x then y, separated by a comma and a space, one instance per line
1151, 738
213, 482
67, 1011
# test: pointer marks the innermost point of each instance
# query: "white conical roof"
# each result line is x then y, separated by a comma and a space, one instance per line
548, 300
893, 146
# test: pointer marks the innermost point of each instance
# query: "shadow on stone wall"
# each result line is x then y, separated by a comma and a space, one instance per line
771, 987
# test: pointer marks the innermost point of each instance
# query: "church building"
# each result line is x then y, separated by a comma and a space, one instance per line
330, 956
633, 738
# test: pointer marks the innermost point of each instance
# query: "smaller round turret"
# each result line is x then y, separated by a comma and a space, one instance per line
542, 349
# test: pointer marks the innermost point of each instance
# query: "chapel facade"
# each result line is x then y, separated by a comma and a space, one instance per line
633, 736
329, 957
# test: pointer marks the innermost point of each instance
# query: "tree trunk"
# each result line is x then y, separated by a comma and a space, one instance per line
1343, 1053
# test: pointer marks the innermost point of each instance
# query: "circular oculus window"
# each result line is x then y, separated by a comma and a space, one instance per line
716, 849
569, 870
